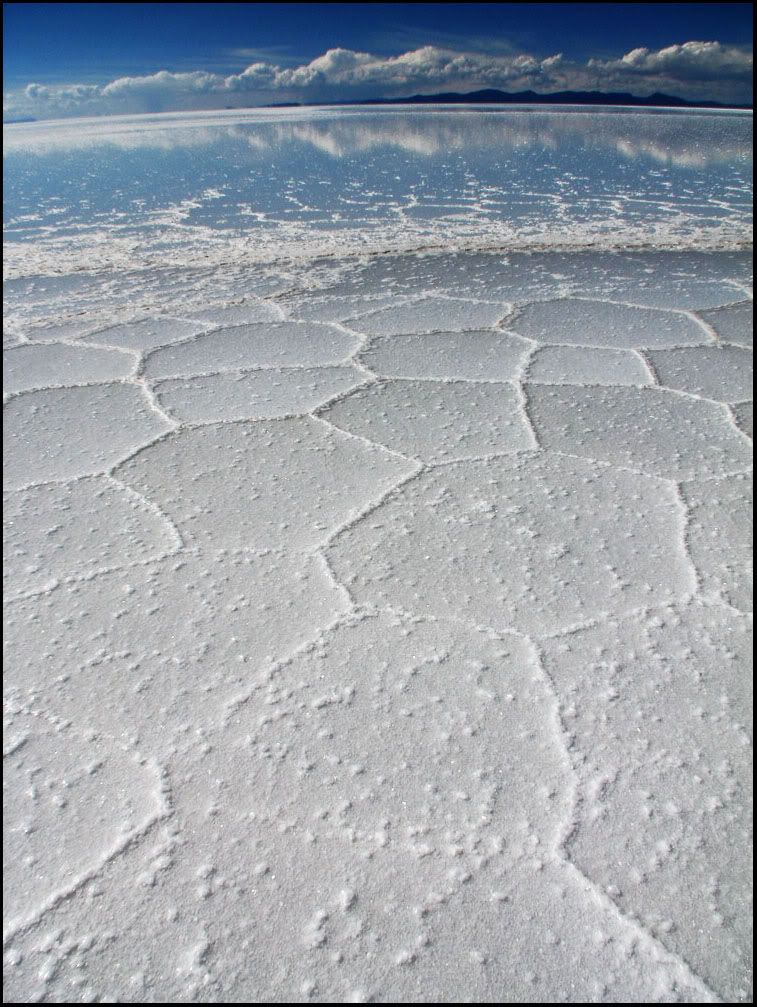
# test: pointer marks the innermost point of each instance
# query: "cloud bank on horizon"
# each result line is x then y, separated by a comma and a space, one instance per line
692, 70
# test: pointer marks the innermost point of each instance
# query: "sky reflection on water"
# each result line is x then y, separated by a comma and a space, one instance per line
341, 175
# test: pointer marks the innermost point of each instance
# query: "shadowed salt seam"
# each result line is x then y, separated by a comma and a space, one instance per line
376, 631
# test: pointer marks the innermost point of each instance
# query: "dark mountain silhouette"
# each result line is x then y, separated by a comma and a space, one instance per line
491, 96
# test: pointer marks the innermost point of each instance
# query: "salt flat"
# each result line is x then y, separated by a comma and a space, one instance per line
378, 627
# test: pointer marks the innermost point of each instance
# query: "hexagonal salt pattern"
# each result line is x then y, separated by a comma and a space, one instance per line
724, 373
500, 544
581, 365
312, 308
276, 484
281, 344
720, 537
59, 530
733, 323
657, 708
417, 769
154, 654
598, 323
76, 800
63, 433
649, 429
437, 421
263, 394
485, 355
432, 314
386, 639
28, 367
244, 313
146, 334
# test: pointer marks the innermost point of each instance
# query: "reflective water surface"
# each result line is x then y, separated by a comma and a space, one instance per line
293, 181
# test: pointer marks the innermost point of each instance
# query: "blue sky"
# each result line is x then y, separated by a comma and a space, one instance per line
68, 59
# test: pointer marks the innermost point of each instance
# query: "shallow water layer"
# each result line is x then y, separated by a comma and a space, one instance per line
225, 186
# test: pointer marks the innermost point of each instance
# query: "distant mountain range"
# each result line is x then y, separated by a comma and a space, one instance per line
491, 96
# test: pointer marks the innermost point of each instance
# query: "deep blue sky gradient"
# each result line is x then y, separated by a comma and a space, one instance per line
96, 42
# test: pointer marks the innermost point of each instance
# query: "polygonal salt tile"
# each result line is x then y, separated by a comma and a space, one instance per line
261, 394
683, 294
503, 544
650, 429
432, 314
743, 414
68, 328
262, 485
733, 323
57, 364
156, 652
279, 344
485, 276
146, 334
437, 421
390, 889
724, 373
478, 356
71, 801
243, 284
720, 536
679, 280
657, 708
235, 314
311, 308
58, 530
599, 323
545, 904
62, 433
421, 699
581, 365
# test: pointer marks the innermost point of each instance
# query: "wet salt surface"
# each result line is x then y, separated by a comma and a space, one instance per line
226, 187
378, 627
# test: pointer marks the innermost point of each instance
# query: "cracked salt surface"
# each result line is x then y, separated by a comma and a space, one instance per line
583, 365
599, 323
62, 433
225, 485
278, 344
723, 373
427, 315
432, 420
263, 394
145, 334
744, 417
650, 430
378, 627
733, 324
59, 530
485, 355
501, 543
29, 367
657, 708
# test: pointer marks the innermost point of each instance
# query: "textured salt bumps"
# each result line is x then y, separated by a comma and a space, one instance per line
428, 574
64, 433
277, 484
284, 344
501, 544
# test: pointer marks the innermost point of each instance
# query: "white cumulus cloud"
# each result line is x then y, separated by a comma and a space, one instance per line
695, 70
